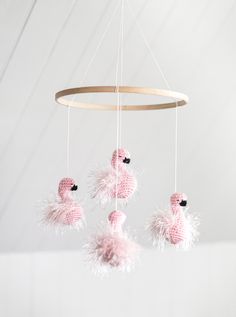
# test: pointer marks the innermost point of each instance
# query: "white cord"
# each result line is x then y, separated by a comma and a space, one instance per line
167, 85
68, 142
121, 70
176, 148
117, 84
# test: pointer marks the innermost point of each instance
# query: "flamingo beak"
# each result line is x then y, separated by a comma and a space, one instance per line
183, 203
74, 187
126, 160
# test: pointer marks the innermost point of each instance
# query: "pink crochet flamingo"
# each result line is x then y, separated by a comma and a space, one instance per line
116, 180
176, 226
65, 211
112, 248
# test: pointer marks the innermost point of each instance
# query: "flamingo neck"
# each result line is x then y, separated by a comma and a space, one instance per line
119, 166
116, 219
116, 227
65, 196
176, 209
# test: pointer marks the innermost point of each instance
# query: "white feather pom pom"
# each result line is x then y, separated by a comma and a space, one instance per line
159, 227
192, 223
103, 182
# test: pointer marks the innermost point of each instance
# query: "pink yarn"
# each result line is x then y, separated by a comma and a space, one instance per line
112, 248
119, 156
117, 219
104, 187
176, 226
175, 200
177, 231
65, 187
65, 211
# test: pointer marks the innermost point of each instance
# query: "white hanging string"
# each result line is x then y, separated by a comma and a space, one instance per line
68, 143
121, 68
107, 27
141, 32
176, 148
118, 83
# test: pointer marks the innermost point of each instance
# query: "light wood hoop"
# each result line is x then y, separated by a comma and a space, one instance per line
180, 99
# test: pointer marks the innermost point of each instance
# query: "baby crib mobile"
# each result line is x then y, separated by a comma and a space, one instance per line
112, 247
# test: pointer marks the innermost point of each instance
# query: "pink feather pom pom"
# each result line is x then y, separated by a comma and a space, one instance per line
112, 248
115, 180
175, 227
64, 211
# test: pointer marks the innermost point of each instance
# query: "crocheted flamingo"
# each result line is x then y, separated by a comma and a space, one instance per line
65, 211
112, 248
116, 180
176, 226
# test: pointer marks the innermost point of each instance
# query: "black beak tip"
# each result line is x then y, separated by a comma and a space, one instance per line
183, 203
126, 160
74, 187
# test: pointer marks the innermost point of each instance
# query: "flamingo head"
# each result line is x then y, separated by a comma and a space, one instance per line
177, 201
65, 187
120, 157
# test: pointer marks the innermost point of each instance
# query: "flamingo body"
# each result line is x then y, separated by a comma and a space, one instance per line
65, 211
116, 180
175, 226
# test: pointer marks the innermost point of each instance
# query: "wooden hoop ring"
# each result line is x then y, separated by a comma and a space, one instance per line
180, 98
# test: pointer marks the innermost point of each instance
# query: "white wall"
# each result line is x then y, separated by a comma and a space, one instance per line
198, 283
